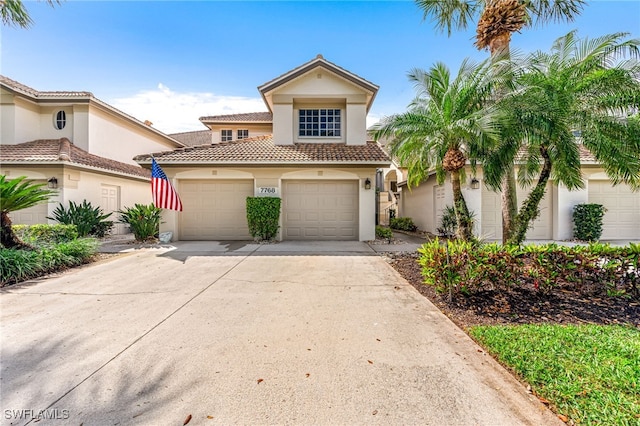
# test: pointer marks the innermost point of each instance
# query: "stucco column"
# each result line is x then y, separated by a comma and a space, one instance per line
563, 203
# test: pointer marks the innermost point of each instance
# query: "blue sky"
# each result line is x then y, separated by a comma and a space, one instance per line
172, 62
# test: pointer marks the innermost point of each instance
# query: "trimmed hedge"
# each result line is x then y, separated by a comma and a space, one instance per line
458, 267
403, 224
587, 221
263, 215
383, 232
45, 234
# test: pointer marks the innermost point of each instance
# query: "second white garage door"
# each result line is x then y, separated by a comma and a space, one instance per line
320, 210
622, 218
214, 209
492, 215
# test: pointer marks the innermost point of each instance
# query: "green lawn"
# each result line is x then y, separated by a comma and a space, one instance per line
589, 373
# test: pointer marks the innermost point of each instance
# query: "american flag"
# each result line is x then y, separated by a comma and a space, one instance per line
164, 194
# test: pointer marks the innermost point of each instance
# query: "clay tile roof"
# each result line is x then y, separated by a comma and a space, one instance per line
198, 137
244, 118
63, 151
586, 156
262, 150
39, 94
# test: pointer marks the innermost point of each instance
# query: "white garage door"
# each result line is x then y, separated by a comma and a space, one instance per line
492, 215
31, 216
320, 210
622, 219
214, 209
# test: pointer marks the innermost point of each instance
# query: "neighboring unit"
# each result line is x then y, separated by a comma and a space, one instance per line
77, 144
310, 149
425, 204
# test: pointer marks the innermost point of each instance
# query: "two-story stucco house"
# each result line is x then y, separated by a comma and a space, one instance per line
310, 149
76, 143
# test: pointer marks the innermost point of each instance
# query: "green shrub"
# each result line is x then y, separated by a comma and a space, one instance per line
263, 215
402, 223
89, 220
20, 265
458, 267
383, 232
46, 234
587, 221
143, 220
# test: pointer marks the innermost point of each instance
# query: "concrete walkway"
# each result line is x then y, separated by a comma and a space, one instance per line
324, 333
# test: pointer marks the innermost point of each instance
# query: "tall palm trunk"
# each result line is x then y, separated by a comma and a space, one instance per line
530, 206
499, 48
464, 231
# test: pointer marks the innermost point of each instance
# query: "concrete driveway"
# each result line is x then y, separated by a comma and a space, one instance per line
313, 333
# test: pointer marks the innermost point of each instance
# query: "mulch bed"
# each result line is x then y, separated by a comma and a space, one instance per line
521, 305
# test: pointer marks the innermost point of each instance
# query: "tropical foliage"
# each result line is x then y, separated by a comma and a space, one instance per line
459, 268
497, 20
143, 220
14, 13
18, 194
582, 85
20, 265
450, 121
88, 220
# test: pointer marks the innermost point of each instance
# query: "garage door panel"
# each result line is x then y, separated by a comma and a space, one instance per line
30, 216
622, 218
214, 210
492, 215
324, 210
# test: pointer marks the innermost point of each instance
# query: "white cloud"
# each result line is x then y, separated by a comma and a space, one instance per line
173, 112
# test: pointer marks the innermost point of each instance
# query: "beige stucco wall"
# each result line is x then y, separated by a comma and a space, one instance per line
273, 177
319, 88
20, 120
113, 138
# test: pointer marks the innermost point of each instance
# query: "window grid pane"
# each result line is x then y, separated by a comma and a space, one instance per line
226, 135
319, 122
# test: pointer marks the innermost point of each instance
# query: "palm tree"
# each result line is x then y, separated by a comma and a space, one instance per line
14, 12
586, 86
497, 20
447, 124
18, 194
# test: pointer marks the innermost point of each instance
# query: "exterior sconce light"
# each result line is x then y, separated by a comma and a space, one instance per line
52, 183
475, 183
367, 183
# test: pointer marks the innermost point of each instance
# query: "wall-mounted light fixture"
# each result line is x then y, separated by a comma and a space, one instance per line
52, 183
475, 183
367, 183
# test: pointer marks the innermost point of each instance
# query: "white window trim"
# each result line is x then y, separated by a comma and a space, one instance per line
57, 121
223, 137
320, 138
